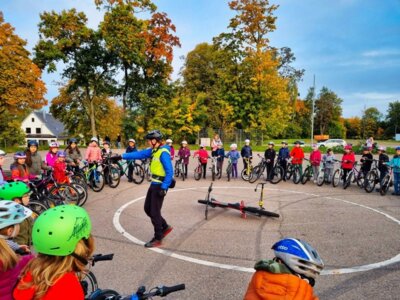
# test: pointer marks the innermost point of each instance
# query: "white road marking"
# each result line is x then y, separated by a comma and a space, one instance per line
354, 269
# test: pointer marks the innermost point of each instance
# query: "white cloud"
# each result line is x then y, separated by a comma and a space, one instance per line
381, 53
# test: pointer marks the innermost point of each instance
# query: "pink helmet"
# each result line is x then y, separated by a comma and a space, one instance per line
348, 147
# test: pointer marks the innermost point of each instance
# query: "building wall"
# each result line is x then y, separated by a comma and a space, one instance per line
34, 123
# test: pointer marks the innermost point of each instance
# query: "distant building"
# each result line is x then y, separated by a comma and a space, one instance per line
44, 128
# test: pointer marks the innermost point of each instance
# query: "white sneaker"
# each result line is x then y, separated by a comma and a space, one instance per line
315, 181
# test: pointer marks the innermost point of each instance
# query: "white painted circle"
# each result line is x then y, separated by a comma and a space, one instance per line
354, 269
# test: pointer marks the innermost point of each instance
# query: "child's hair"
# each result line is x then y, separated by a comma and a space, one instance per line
28, 160
46, 269
8, 257
70, 150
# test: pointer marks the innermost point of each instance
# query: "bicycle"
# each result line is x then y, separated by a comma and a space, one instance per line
277, 173
214, 168
372, 177
179, 169
198, 170
146, 168
293, 171
258, 170
308, 172
137, 173
229, 169
111, 171
89, 282
246, 172
387, 182
94, 177
237, 206
358, 175
140, 294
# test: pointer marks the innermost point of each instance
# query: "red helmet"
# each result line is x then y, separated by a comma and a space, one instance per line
348, 147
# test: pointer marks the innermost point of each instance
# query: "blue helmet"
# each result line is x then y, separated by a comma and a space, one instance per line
33, 143
397, 148
299, 256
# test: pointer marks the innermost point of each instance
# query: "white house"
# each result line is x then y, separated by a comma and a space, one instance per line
44, 128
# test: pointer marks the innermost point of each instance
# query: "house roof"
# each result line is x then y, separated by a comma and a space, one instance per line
55, 126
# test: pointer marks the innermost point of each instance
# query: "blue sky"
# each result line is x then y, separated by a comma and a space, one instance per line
351, 46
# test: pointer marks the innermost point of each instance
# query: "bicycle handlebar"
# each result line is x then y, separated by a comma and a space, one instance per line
161, 291
262, 186
99, 257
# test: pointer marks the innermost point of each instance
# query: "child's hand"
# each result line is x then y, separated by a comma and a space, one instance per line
25, 248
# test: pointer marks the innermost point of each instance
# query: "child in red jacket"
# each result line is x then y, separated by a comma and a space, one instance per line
203, 158
60, 168
315, 159
348, 161
297, 155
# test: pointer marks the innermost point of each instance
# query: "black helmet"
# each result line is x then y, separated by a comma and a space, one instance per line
154, 134
33, 143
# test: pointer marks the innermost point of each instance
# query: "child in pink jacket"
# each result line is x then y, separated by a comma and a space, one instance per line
93, 152
315, 159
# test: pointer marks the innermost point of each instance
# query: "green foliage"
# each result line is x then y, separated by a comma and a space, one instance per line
328, 110
10, 130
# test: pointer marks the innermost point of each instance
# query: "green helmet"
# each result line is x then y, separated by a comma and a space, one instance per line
58, 230
12, 190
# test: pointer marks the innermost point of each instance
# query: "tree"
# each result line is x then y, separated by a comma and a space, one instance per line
370, 122
327, 110
393, 119
21, 87
89, 67
353, 127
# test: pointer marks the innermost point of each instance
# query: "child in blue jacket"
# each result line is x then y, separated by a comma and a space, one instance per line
234, 155
395, 164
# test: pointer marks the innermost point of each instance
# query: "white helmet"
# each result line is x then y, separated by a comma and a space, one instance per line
2, 153
12, 213
247, 141
184, 143
94, 139
234, 146
132, 140
168, 141
54, 145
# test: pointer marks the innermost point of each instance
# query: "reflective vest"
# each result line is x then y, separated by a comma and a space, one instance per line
156, 167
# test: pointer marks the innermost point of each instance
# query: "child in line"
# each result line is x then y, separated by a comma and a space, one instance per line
74, 155
348, 160
220, 154
366, 160
2, 176
395, 164
297, 155
19, 169
60, 168
131, 148
106, 154
290, 274
19, 193
315, 159
171, 148
234, 155
184, 154
269, 155
34, 160
246, 153
51, 156
202, 154
283, 157
63, 241
93, 156
11, 264
329, 164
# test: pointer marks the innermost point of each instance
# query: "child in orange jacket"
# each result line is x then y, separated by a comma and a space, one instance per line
290, 275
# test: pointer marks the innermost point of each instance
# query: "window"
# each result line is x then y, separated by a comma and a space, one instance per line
38, 130
33, 120
27, 130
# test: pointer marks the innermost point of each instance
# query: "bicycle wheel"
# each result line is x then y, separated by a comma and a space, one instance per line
213, 173
96, 181
361, 180
121, 169
148, 174
260, 212
67, 193
246, 174
137, 174
277, 175
296, 175
370, 182
289, 171
255, 174
182, 171
83, 194
89, 284
37, 208
113, 177
80, 179
104, 295
321, 177
197, 172
306, 176
385, 184
337, 176
229, 171
347, 183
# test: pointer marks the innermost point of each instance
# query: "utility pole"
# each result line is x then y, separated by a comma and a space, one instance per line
312, 114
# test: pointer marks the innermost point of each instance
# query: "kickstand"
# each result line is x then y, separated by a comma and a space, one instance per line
244, 216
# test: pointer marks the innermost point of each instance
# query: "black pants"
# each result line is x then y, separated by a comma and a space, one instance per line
130, 170
152, 208
204, 166
270, 166
283, 164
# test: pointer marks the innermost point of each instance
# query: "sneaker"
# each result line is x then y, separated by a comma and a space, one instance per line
315, 181
130, 180
167, 230
153, 243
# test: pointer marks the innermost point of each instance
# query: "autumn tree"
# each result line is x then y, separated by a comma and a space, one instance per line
353, 127
370, 122
21, 87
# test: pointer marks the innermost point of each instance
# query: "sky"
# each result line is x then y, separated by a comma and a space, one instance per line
352, 47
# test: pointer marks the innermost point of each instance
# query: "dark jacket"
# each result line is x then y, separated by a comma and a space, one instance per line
270, 155
246, 151
283, 154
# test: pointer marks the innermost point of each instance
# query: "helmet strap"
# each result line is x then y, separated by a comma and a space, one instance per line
80, 258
